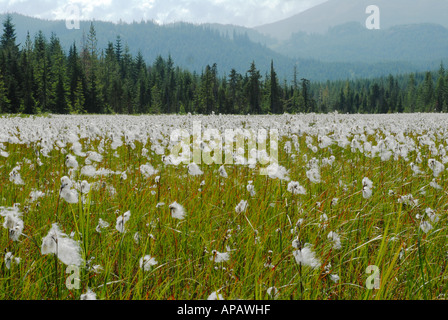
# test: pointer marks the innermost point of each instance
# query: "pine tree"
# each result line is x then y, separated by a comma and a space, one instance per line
156, 99
60, 99
58, 78
28, 86
8, 38
206, 95
78, 102
93, 97
9, 64
275, 104
445, 100
41, 63
440, 91
4, 101
411, 99
76, 79
253, 89
308, 103
118, 49
427, 93
234, 92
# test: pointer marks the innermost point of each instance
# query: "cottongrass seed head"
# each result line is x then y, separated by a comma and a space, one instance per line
13, 222
147, 262
65, 248
220, 256
306, 256
121, 222
177, 211
215, 296
241, 207
89, 295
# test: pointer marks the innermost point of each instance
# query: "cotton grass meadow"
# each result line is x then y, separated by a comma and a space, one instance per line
102, 194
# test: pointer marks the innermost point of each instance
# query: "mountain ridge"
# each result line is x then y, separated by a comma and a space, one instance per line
320, 18
192, 47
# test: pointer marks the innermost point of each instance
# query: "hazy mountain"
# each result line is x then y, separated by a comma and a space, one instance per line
191, 46
230, 30
336, 12
353, 42
194, 46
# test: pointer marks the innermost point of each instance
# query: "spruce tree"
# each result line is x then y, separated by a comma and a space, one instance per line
275, 104
253, 89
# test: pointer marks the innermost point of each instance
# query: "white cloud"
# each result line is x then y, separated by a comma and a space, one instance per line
240, 12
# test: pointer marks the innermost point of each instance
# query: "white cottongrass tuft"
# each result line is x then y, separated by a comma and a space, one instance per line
241, 207
67, 193
71, 162
9, 257
220, 256
431, 214
366, 182
193, 170
435, 185
415, 169
13, 222
88, 171
121, 222
436, 167
147, 170
147, 262
65, 248
334, 237
177, 211
425, 226
273, 292
101, 225
306, 257
251, 188
222, 172
313, 175
94, 156
89, 295
35, 195
15, 177
408, 200
334, 201
295, 188
275, 171
84, 187
335, 278
215, 296
367, 186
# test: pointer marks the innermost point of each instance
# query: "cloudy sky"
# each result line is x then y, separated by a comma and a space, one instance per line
247, 13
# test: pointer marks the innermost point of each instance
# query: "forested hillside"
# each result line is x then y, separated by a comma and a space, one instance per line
192, 47
38, 76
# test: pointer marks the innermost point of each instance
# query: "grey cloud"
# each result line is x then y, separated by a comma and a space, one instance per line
240, 12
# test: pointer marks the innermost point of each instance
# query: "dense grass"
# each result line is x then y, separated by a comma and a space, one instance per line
377, 231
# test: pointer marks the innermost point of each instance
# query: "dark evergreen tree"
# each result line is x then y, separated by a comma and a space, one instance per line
440, 91
275, 103
41, 63
253, 89
29, 82
9, 65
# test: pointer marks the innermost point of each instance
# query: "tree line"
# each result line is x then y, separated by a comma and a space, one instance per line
39, 77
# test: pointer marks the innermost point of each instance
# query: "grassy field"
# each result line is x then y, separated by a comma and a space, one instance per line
360, 213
